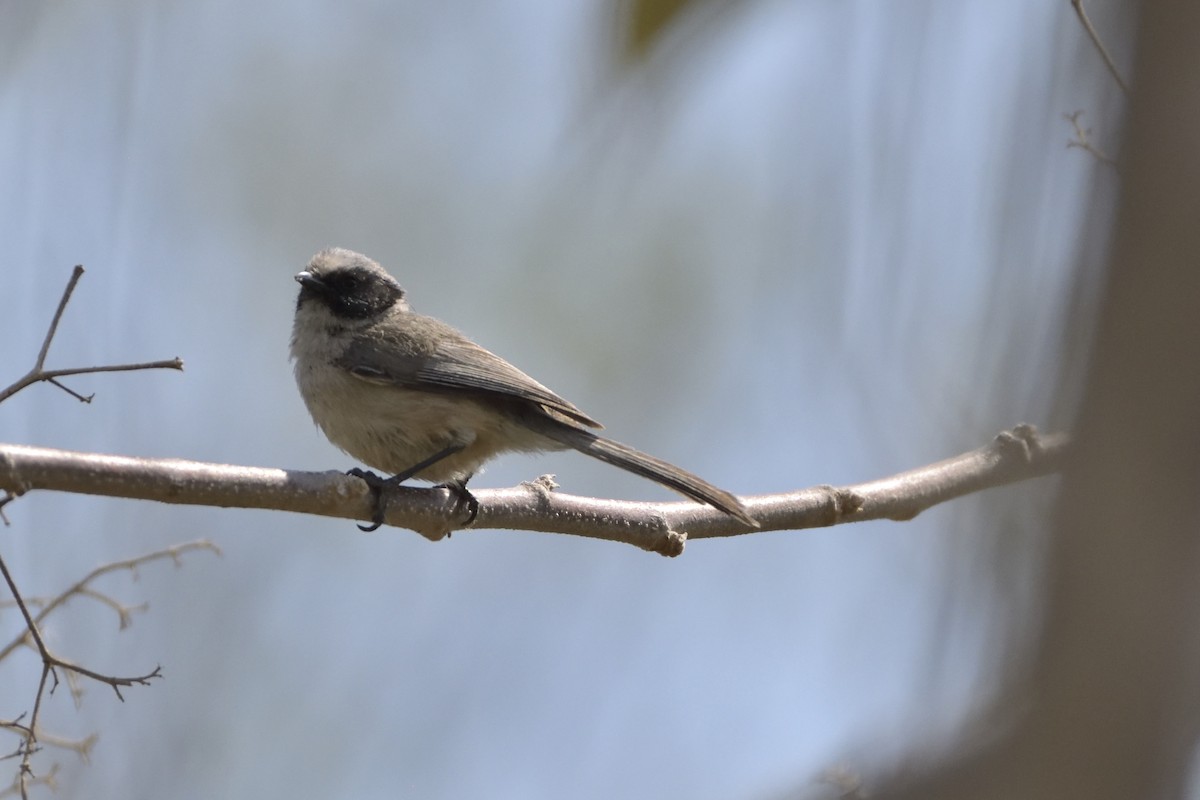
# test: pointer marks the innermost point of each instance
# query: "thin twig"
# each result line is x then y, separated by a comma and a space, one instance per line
1014, 456
170, 363
82, 586
51, 376
30, 733
29, 623
40, 373
76, 274
16, 725
49, 664
23, 783
124, 612
1091, 31
81, 747
80, 397
1083, 140
51, 661
30, 743
25, 777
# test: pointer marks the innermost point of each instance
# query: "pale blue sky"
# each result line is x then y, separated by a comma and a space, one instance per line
818, 243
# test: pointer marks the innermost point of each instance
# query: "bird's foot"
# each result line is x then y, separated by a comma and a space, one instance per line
376, 484
463, 499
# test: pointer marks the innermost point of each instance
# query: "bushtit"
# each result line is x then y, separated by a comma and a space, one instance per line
410, 395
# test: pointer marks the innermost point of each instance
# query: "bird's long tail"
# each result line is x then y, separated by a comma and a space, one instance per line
647, 466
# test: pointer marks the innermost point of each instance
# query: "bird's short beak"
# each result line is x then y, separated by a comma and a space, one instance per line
310, 281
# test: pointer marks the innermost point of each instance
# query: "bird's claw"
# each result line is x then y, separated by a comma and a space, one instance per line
376, 484
463, 497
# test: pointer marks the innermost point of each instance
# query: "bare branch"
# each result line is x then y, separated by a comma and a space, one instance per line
76, 274
83, 586
1083, 140
81, 747
50, 661
1013, 456
40, 373
26, 771
22, 783
1095, 37
52, 376
16, 725
32, 735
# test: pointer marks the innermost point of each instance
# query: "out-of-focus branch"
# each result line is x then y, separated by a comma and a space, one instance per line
1083, 140
32, 737
22, 784
1013, 456
50, 664
1110, 708
82, 587
51, 661
1095, 37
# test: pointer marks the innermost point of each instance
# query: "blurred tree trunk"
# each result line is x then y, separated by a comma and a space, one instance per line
1111, 707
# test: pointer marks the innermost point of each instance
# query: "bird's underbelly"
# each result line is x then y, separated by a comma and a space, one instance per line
391, 429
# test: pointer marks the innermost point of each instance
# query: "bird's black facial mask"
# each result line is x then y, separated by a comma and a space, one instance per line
352, 293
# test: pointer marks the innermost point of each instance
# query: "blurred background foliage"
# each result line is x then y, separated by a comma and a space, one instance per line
778, 243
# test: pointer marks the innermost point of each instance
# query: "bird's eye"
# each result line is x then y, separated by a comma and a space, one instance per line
345, 282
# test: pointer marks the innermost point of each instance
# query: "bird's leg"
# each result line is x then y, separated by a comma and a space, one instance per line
377, 483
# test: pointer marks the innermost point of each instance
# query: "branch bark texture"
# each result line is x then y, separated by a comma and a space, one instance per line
1012, 456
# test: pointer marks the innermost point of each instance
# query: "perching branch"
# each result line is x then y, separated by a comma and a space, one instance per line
663, 528
40, 373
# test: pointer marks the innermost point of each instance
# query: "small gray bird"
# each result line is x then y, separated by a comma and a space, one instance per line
410, 395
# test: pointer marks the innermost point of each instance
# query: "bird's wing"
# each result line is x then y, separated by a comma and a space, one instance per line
456, 364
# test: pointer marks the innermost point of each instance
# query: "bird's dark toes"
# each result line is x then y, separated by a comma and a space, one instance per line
373, 480
376, 483
463, 498
472, 509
